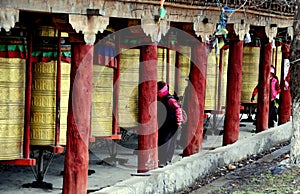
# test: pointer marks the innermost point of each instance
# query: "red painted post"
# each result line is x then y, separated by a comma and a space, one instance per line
285, 94
196, 99
58, 90
26, 144
80, 101
234, 88
148, 130
264, 87
116, 89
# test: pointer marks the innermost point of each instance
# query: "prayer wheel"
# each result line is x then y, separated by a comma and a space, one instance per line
102, 101
128, 94
211, 80
12, 105
43, 103
163, 67
211, 93
250, 72
161, 64
277, 60
184, 70
224, 77
215, 94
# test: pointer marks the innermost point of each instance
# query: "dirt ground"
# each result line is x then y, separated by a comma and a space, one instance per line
269, 172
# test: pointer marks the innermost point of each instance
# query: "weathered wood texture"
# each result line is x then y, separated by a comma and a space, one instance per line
196, 99
80, 100
264, 87
284, 112
148, 130
234, 88
182, 11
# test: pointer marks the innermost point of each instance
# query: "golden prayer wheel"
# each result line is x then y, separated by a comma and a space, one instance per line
224, 78
250, 72
161, 64
211, 93
215, 94
12, 103
43, 103
162, 67
128, 94
185, 64
102, 101
277, 60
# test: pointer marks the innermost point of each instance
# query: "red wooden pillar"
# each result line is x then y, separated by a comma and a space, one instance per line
234, 88
285, 94
58, 91
116, 89
148, 130
264, 87
80, 100
26, 144
196, 99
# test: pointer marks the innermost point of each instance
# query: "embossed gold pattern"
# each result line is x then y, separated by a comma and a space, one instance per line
102, 101
43, 103
250, 71
212, 80
12, 99
128, 96
185, 60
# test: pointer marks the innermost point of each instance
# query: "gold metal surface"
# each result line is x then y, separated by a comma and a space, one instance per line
185, 64
102, 101
215, 92
12, 101
211, 100
43, 103
128, 96
250, 71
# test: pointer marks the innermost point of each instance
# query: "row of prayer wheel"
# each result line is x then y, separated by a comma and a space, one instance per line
43, 102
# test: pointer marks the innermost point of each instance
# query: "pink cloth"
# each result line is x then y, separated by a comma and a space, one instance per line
275, 88
172, 102
164, 91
